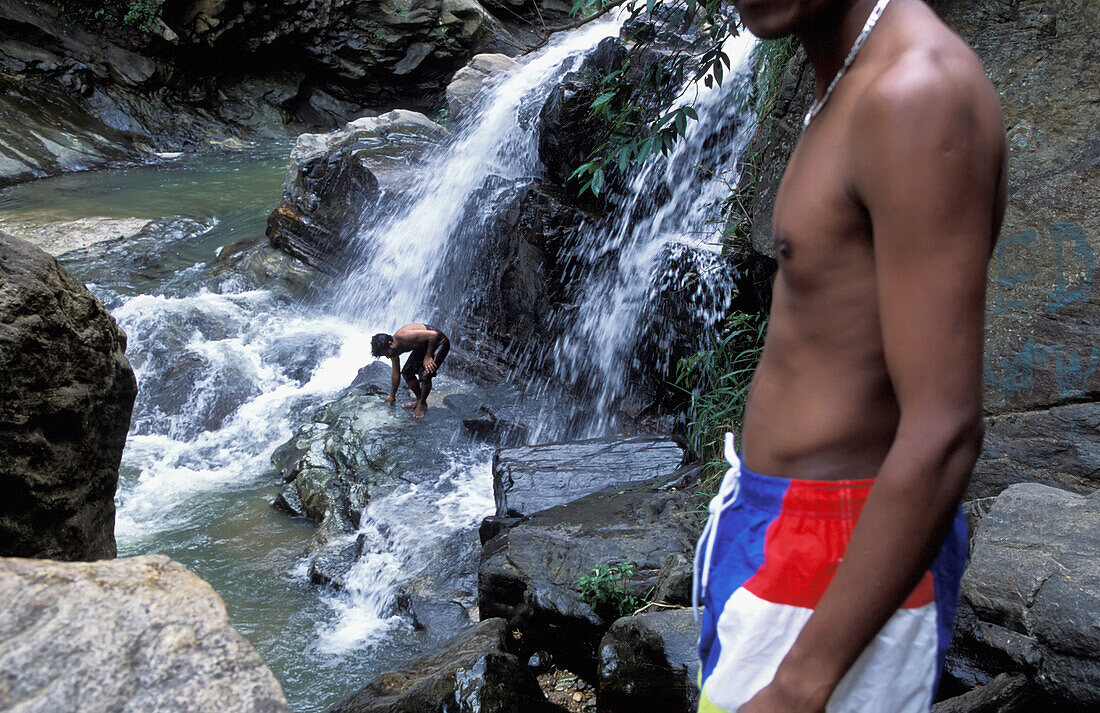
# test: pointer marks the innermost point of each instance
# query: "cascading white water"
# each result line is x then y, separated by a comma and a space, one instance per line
228, 373
402, 252
662, 239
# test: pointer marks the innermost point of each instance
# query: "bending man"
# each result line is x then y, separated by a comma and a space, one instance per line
427, 347
832, 581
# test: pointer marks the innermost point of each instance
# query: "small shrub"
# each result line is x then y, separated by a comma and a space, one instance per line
605, 590
717, 378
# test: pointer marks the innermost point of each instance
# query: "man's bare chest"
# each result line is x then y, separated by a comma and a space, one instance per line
819, 227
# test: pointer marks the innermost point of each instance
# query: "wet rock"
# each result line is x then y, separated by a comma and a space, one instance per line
333, 560
330, 183
428, 613
529, 572
492, 526
58, 237
349, 452
649, 663
466, 85
262, 265
449, 579
497, 423
532, 478
1007, 693
66, 395
1030, 598
140, 633
473, 673
567, 132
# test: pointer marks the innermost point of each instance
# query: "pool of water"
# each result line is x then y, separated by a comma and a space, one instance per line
227, 370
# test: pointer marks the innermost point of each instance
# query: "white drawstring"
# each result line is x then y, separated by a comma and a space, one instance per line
727, 494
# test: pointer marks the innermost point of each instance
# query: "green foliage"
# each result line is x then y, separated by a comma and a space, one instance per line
640, 126
717, 377
769, 64
142, 15
96, 14
605, 590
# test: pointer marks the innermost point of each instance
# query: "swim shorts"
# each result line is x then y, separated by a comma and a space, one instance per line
414, 364
768, 552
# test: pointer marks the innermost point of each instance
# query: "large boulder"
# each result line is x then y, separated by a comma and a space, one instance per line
1030, 599
529, 573
331, 184
66, 395
472, 673
137, 634
467, 85
532, 478
649, 663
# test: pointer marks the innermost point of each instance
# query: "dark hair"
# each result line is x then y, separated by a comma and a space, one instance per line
380, 344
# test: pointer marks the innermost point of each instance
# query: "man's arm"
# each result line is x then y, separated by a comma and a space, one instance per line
395, 380
429, 354
927, 152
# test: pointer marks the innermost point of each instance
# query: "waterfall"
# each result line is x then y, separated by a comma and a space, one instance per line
659, 240
401, 253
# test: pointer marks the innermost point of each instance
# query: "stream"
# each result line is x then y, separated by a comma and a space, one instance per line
228, 368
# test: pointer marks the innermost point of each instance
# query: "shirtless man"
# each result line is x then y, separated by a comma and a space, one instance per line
834, 578
428, 348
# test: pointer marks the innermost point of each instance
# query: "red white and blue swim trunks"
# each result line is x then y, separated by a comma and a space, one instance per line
768, 552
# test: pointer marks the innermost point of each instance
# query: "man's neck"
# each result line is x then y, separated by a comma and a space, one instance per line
829, 35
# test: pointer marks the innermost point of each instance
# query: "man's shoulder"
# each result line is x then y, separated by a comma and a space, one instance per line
927, 74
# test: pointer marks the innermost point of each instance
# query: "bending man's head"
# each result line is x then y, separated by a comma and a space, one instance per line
381, 344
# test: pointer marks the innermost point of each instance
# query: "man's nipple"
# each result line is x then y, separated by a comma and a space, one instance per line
784, 248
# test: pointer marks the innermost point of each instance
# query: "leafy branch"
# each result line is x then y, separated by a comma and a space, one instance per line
640, 101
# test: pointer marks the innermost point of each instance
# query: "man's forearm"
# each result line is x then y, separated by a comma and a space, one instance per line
904, 519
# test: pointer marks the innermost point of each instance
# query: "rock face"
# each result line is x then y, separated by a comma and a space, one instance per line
140, 634
529, 572
1058, 446
211, 72
1030, 598
567, 133
650, 663
473, 673
66, 394
532, 478
330, 185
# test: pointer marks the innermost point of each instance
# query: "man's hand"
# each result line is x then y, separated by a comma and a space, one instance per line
429, 366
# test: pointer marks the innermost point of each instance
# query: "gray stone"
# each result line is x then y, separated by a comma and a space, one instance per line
650, 663
331, 184
1030, 598
532, 478
136, 634
472, 673
529, 572
467, 84
66, 395
1058, 447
